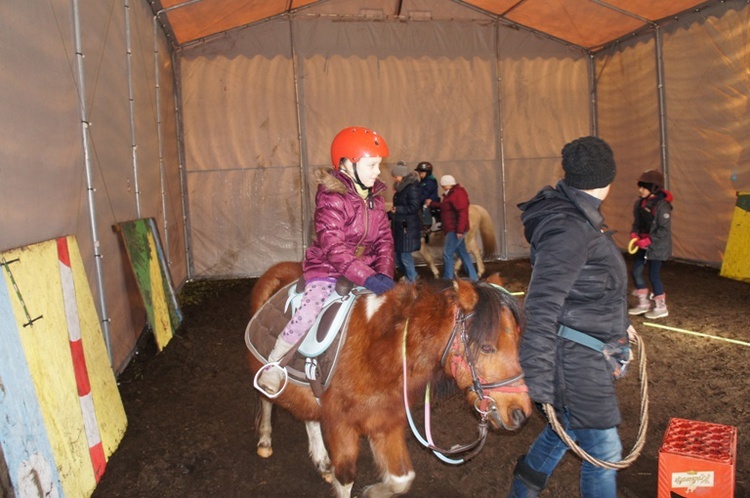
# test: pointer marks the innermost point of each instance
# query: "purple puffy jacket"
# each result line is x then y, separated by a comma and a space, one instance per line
343, 222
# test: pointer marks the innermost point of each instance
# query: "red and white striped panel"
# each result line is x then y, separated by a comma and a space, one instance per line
91, 426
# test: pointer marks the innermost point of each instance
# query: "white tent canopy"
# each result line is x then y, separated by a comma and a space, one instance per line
216, 136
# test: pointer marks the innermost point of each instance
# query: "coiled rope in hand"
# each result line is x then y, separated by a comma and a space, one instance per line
549, 410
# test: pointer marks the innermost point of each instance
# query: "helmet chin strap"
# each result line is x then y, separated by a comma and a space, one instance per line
370, 203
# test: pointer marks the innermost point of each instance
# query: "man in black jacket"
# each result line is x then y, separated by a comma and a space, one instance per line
576, 304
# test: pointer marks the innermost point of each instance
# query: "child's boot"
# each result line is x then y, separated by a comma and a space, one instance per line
269, 379
660, 308
644, 304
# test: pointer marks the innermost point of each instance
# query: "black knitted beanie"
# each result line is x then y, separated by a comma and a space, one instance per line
588, 163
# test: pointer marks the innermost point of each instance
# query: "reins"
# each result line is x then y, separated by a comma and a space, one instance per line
427, 442
549, 410
484, 405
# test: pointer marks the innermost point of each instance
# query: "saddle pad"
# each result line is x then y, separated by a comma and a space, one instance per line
267, 324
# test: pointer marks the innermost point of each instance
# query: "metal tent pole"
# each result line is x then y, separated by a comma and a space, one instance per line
594, 116
301, 134
131, 103
662, 105
157, 90
86, 138
162, 179
500, 142
181, 160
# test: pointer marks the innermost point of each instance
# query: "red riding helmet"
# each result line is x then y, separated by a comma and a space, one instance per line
357, 142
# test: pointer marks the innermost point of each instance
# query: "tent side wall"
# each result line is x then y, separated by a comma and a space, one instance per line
45, 192
706, 153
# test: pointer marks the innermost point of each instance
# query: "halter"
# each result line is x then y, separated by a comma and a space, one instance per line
467, 362
484, 405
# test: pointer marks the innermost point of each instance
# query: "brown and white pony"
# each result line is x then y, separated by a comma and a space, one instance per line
416, 333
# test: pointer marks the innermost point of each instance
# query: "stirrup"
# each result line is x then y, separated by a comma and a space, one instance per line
264, 390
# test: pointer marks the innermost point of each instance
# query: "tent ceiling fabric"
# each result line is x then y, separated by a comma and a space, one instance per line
588, 24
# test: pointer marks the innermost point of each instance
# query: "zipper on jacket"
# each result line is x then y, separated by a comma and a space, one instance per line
359, 251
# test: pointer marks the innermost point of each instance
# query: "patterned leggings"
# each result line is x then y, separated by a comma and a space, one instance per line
315, 295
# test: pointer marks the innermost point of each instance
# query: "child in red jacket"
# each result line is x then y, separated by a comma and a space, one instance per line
454, 213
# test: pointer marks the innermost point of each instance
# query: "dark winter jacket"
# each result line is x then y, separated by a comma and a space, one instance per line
345, 221
578, 279
428, 189
652, 217
454, 210
406, 223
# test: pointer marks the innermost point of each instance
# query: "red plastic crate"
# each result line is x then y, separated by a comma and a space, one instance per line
697, 459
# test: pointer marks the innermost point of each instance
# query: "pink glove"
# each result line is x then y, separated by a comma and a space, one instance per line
633, 235
644, 242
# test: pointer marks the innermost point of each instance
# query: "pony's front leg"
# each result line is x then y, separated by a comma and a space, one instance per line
394, 463
343, 445
317, 450
263, 425
426, 253
473, 248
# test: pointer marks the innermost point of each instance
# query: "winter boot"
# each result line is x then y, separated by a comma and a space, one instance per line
527, 482
643, 302
271, 379
660, 308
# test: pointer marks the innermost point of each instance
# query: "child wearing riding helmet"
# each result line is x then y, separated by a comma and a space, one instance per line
428, 189
652, 229
352, 238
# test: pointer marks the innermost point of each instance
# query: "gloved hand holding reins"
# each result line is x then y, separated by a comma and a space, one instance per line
379, 283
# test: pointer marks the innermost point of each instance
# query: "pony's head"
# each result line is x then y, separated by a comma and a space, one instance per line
482, 355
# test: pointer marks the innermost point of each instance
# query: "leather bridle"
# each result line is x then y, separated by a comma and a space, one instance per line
459, 336
484, 405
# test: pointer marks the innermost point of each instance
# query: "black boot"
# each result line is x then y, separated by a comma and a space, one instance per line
527, 482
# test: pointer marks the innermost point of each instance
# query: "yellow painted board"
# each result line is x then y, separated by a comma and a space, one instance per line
141, 239
163, 331
110, 412
47, 349
736, 262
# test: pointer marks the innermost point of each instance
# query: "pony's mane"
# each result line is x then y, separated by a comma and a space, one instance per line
442, 386
485, 320
482, 327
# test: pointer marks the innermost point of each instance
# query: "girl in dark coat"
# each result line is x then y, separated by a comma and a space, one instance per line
577, 296
405, 219
652, 227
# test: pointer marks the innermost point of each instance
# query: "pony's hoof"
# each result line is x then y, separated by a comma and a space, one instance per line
265, 451
327, 476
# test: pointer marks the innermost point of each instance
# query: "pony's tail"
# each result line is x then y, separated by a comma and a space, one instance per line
486, 232
271, 281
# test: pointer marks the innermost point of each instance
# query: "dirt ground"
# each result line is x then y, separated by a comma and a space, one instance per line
191, 407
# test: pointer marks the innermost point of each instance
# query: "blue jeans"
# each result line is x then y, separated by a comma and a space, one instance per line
548, 449
654, 268
405, 263
452, 246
